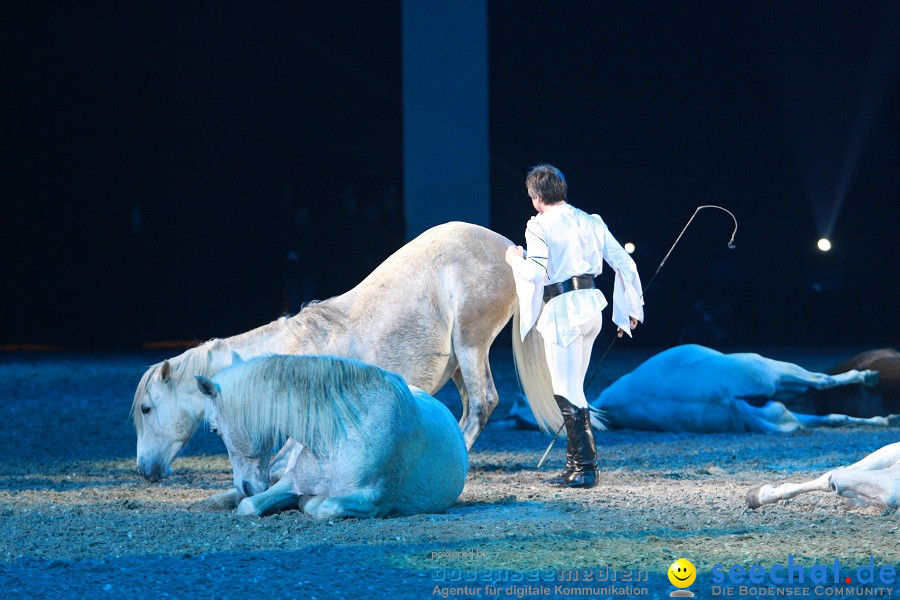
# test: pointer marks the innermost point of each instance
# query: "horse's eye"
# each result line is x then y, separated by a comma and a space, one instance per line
145, 409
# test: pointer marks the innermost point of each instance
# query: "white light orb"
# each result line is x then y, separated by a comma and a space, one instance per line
629, 247
824, 244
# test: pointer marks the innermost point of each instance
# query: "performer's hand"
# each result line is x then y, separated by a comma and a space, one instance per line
512, 251
631, 321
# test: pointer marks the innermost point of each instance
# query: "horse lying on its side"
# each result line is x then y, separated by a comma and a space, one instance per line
698, 389
694, 388
368, 445
874, 480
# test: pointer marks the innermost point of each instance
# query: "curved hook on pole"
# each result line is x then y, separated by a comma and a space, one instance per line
731, 245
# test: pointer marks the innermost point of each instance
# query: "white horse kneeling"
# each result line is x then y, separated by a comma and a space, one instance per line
369, 445
874, 480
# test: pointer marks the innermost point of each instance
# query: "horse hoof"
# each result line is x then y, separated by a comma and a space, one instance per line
246, 508
871, 378
218, 502
752, 498
329, 509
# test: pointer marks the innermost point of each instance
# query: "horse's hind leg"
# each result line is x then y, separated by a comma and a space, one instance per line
310, 504
866, 378
477, 391
799, 380
361, 504
463, 396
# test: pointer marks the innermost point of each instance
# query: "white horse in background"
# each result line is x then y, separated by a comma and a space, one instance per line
368, 444
698, 389
429, 312
875, 480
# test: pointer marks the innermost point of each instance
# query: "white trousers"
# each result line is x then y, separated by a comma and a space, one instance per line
568, 364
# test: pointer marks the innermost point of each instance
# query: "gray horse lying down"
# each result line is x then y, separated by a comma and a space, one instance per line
698, 389
874, 480
368, 445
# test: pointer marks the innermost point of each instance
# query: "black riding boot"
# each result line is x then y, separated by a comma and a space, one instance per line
581, 453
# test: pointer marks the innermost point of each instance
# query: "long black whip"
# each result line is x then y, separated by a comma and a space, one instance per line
731, 246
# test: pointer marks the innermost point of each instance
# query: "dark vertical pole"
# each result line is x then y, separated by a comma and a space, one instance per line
445, 113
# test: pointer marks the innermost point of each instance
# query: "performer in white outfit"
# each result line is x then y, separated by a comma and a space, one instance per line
566, 248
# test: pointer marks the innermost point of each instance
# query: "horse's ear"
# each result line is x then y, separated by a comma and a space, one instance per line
165, 371
209, 387
236, 358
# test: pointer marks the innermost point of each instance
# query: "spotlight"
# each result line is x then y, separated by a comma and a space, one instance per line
629, 247
824, 245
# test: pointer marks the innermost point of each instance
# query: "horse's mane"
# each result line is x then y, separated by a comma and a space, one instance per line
198, 360
315, 318
195, 361
139, 394
313, 399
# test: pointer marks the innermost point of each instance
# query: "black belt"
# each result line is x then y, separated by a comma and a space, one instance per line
579, 282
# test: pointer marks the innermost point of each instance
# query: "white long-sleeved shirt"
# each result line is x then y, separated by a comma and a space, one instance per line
563, 242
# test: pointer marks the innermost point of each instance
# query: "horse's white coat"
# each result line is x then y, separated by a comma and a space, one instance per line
694, 388
429, 312
873, 480
371, 445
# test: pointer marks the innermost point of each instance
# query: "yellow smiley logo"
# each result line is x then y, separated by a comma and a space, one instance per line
682, 573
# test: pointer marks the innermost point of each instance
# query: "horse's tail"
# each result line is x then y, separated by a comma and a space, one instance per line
534, 377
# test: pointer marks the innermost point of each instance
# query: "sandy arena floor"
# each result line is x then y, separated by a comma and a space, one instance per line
78, 522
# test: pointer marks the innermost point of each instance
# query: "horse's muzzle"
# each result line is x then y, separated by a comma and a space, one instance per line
154, 473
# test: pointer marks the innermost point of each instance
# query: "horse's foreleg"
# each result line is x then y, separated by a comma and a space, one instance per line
278, 497
284, 460
835, 420
874, 479
481, 396
767, 494
221, 501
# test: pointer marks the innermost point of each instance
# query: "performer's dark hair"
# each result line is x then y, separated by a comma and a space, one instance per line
546, 182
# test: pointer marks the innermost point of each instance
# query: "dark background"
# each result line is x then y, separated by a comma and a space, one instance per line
181, 172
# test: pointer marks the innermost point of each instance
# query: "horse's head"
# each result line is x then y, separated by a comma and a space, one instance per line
250, 463
167, 411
